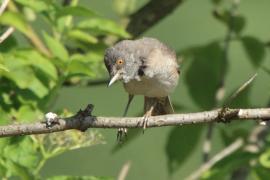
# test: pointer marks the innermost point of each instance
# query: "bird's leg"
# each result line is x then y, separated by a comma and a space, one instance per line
146, 116
150, 104
123, 131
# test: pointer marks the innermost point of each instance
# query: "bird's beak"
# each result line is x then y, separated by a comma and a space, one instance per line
114, 78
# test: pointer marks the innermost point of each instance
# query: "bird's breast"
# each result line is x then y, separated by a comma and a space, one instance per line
151, 87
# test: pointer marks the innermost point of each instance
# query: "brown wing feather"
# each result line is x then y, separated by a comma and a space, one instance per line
161, 105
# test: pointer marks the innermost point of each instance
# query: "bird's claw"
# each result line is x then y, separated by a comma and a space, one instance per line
121, 134
145, 120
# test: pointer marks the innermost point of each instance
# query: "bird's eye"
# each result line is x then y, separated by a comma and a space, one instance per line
119, 61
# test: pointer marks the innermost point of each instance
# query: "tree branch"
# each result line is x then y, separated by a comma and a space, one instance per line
84, 120
3, 6
6, 34
237, 144
150, 14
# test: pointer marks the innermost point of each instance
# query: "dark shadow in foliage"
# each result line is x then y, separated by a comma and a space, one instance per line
134, 133
203, 76
260, 172
8, 44
255, 49
180, 145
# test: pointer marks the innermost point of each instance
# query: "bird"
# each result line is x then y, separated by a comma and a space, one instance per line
147, 67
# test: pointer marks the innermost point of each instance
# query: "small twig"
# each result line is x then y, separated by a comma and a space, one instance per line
84, 120
220, 93
207, 144
3, 6
31, 34
239, 90
6, 34
237, 144
124, 171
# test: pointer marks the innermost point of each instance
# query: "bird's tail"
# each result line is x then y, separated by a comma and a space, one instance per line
161, 105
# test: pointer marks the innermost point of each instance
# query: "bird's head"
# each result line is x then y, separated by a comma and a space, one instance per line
121, 62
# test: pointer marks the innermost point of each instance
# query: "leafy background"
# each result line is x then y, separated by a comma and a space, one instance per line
66, 73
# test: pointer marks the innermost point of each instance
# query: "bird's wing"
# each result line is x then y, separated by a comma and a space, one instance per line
161, 105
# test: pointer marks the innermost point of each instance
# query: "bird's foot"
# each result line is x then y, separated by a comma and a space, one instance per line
121, 134
145, 119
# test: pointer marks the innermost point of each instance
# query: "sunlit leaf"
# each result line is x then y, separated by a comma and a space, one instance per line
22, 152
56, 47
36, 5
19, 170
16, 20
27, 114
265, 159
103, 26
75, 11
79, 178
82, 36
3, 68
180, 145
124, 8
84, 64
255, 49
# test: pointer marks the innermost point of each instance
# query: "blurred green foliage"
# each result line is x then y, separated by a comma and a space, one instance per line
58, 44
31, 75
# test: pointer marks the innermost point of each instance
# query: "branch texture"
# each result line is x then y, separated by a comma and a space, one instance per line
84, 120
150, 14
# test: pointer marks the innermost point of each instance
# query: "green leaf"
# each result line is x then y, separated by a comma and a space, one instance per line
103, 26
236, 23
264, 159
56, 47
19, 170
35, 59
3, 68
27, 114
23, 75
124, 8
180, 145
255, 49
75, 11
22, 155
37, 6
9, 44
4, 119
79, 178
16, 20
203, 75
260, 173
82, 36
84, 64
